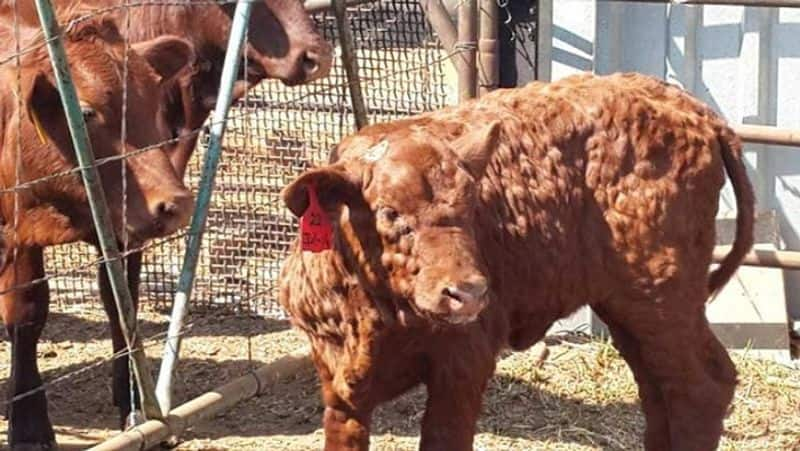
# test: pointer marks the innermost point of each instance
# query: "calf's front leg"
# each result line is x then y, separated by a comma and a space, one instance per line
345, 430
24, 313
346, 427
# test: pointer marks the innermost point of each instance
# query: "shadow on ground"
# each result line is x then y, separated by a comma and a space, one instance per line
513, 408
93, 325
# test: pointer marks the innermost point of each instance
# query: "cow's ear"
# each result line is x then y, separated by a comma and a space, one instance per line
333, 185
168, 55
477, 145
42, 104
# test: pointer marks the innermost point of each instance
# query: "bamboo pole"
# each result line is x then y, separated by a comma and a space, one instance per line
230, 68
153, 433
97, 202
764, 3
761, 257
489, 47
350, 64
467, 46
764, 134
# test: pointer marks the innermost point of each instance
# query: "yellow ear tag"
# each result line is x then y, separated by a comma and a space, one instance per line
38, 126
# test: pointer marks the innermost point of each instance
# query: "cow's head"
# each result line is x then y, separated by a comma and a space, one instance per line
156, 202
282, 42
404, 209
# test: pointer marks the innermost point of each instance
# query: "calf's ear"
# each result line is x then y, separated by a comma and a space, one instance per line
168, 55
333, 185
477, 145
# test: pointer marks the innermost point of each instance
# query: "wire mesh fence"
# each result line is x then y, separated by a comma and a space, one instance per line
274, 133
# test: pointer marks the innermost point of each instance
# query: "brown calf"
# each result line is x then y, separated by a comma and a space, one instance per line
282, 43
471, 229
55, 210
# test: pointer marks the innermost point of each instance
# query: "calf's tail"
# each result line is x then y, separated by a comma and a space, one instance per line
731, 149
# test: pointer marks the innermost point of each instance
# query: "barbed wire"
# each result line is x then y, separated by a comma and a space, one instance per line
311, 92
186, 135
103, 361
204, 129
96, 262
69, 25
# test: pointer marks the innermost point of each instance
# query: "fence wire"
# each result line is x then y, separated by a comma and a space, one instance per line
273, 134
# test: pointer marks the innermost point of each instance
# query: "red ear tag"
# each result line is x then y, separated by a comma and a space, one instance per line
316, 231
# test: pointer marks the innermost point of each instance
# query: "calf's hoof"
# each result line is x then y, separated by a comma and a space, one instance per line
49, 446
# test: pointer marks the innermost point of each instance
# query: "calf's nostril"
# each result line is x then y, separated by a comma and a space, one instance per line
453, 294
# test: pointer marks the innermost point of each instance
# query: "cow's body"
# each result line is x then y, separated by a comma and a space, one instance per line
282, 44
35, 145
592, 190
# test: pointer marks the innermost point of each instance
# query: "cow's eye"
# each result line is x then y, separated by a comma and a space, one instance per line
88, 112
389, 214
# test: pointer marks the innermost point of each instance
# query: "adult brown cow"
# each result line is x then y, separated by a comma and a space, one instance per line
282, 43
54, 210
461, 232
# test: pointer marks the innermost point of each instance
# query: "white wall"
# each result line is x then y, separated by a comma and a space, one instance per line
745, 62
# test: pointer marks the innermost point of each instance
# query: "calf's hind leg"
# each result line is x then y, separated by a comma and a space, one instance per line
656, 436
24, 314
682, 357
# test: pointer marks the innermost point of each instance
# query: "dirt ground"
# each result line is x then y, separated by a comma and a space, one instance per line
581, 398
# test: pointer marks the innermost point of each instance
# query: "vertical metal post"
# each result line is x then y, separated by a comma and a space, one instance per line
544, 40
489, 47
99, 207
467, 45
350, 63
230, 68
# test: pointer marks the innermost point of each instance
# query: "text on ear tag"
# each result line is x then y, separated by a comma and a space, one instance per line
316, 231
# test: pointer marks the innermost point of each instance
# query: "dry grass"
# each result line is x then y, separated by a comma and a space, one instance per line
581, 397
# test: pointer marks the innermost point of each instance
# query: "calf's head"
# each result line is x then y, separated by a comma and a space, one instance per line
404, 211
156, 201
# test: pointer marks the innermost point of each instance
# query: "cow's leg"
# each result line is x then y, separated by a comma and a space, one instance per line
24, 314
122, 386
656, 437
346, 428
693, 372
455, 393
